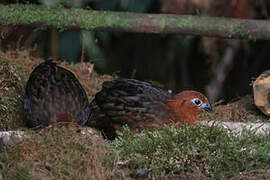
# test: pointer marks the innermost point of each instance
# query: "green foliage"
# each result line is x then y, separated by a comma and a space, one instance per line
212, 150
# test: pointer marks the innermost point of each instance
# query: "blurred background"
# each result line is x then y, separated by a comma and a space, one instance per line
220, 68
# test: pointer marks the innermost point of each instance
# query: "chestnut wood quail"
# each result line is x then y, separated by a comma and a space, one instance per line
53, 94
140, 104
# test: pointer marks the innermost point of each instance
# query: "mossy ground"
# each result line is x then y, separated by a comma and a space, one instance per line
168, 153
208, 152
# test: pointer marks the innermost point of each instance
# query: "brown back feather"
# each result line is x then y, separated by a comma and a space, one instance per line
53, 94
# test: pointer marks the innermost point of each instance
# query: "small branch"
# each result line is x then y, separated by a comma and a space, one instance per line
60, 18
214, 88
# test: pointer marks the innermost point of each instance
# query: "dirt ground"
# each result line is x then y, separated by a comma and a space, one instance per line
241, 109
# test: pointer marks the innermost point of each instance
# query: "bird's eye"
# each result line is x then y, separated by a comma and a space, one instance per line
197, 101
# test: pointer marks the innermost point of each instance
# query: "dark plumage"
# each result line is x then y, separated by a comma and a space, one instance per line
140, 104
53, 94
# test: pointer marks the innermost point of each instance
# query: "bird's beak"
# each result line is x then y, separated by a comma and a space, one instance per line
206, 107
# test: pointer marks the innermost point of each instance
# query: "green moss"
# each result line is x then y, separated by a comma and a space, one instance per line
212, 151
188, 21
57, 17
238, 29
162, 23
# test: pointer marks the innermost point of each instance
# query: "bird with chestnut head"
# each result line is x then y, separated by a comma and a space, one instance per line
141, 105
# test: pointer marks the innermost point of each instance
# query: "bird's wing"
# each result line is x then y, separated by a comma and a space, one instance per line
54, 93
127, 101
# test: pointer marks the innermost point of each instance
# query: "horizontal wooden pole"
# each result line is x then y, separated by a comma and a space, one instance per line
62, 19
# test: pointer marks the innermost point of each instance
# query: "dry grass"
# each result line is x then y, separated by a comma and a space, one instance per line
90, 80
57, 154
239, 110
12, 80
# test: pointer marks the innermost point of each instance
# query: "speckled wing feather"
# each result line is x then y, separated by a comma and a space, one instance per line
128, 101
53, 94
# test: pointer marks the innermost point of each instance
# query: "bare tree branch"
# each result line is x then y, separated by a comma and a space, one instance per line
214, 88
60, 18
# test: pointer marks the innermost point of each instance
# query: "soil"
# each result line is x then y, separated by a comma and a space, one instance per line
241, 109
253, 175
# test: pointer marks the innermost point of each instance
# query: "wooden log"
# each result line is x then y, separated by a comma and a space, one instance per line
74, 18
261, 92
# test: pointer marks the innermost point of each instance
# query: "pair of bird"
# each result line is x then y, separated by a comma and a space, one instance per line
54, 94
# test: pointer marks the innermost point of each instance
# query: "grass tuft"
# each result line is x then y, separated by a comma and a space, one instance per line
212, 151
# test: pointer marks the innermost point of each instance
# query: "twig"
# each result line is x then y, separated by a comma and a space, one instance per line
214, 88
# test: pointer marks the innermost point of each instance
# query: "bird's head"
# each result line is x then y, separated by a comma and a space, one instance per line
188, 105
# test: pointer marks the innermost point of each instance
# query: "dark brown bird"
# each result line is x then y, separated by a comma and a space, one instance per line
53, 94
140, 104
